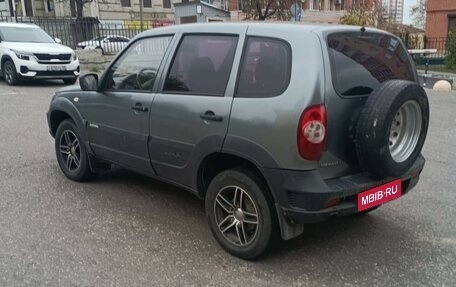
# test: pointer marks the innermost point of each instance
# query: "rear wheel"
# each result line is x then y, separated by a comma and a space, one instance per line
71, 152
241, 213
9, 73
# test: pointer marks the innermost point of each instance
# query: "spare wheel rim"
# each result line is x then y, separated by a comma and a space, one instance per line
405, 131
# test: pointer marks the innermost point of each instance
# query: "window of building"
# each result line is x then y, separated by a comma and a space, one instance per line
48, 5
147, 3
167, 3
241, 4
362, 61
125, 3
315, 5
265, 68
451, 22
202, 65
137, 68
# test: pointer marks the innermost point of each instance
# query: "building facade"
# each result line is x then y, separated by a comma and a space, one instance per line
324, 11
314, 11
393, 11
102, 9
199, 12
440, 18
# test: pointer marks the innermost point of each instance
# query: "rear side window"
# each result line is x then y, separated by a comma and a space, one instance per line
265, 68
202, 65
361, 61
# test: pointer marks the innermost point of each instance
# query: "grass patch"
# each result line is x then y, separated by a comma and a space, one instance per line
94, 69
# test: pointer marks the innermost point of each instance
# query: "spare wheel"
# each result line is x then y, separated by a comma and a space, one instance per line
392, 128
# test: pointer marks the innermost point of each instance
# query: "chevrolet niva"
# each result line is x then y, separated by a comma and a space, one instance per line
273, 125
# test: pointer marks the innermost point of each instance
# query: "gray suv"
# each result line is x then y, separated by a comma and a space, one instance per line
273, 125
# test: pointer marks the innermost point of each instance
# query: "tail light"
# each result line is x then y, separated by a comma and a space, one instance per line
312, 132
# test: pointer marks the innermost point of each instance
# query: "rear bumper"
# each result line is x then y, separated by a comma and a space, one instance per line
302, 197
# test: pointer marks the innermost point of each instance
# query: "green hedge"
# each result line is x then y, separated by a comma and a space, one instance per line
451, 46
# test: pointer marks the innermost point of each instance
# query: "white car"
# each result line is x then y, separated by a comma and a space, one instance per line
107, 44
27, 53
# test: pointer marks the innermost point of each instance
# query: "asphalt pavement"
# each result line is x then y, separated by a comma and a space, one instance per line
124, 229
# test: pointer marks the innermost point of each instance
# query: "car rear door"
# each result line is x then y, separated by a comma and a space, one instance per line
358, 63
190, 114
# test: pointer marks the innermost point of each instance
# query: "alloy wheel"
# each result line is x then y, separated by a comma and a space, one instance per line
236, 215
8, 73
70, 150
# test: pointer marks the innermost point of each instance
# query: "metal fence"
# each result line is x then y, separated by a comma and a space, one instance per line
73, 31
437, 60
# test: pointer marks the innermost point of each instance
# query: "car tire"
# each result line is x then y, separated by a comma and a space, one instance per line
392, 128
71, 152
10, 74
241, 213
71, 81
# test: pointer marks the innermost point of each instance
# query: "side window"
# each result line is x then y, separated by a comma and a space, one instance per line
202, 65
137, 68
361, 61
265, 69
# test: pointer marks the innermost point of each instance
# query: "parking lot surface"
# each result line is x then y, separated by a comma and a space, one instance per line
124, 229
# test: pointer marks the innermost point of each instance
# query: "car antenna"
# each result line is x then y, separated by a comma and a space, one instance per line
363, 29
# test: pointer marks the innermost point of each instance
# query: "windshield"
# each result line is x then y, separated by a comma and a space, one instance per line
26, 34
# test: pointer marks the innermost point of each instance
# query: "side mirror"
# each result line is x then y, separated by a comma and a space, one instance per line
58, 41
88, 82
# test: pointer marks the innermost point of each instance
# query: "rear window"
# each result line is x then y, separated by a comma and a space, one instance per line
265, 68
361, 61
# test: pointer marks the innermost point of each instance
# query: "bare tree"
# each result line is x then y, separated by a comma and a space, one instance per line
363, 13
418, 13
267, 9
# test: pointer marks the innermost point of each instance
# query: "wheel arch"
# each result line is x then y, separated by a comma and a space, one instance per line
62, 109
55, 119
4, 59
218, 162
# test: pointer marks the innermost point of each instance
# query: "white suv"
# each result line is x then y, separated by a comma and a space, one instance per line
27, 52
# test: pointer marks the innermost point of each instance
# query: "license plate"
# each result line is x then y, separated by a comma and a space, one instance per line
56, 68
379, 194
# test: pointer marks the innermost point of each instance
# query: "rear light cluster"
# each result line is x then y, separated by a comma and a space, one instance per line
312, 132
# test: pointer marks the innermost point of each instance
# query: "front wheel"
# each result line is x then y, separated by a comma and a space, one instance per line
71, 152
241, 214
10, 74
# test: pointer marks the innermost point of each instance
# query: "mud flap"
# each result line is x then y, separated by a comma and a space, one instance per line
288, 228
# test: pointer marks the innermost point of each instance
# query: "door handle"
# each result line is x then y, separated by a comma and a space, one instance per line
210, 116
139, 107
